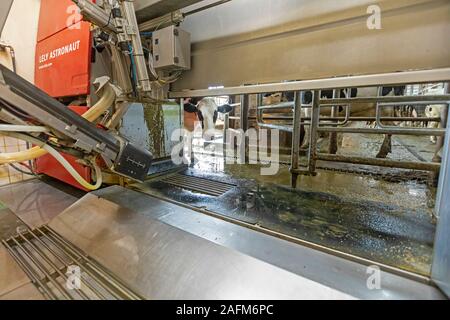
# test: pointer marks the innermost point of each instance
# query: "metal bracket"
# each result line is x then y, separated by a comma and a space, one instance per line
72, 129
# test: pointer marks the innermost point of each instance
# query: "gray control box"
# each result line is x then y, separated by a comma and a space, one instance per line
172, 49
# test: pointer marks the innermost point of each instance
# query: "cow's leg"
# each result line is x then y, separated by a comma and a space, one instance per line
333, 148
307, 129
386, 147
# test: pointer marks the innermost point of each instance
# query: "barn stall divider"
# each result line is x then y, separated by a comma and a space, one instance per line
322, 124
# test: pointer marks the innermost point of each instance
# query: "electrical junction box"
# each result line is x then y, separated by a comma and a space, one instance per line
171, 49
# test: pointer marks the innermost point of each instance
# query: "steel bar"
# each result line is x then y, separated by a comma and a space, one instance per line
92, 273
245, 105
193, 184
259, 113
42, 269
395, 78
56, 243
401, 100
296, 132
313, 133
51, 263
411, 103
284, 105
397, 131
275, 127
29, 271
209, 187
197, 189
206, 7
61, 260
435, 167
164, 21
226, 126
332, 148
103, 273
201, 181
412, 119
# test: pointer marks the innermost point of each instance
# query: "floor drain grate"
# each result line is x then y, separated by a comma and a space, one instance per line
202, 185
62, 271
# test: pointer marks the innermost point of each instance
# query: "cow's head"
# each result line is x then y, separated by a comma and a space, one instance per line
207, 112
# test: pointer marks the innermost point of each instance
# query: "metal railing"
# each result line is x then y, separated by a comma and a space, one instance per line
319, 124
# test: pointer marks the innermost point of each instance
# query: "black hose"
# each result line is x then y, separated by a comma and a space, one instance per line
29, 173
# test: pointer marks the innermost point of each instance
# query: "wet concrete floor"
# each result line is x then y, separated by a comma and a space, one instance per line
390, 223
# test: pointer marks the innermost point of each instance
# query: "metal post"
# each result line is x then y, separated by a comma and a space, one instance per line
332, 148
312, 155
296, 132
245, 103
226, 127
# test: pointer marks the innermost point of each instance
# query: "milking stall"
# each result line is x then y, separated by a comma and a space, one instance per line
224, 150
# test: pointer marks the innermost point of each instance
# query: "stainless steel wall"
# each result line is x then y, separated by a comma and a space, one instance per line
148, 9
256, 41
441, 262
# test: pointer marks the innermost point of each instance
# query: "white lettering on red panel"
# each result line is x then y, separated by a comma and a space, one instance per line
47, 57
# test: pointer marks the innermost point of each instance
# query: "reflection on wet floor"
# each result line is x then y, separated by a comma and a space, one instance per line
386, 222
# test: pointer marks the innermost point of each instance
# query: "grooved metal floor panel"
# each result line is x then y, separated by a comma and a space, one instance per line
59, 270
201, 185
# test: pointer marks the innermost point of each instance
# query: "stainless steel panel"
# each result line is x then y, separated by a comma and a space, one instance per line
347, 276
441, 262
47, 259
163, 262
25, 292
149, 9
11, 275
151, 126
172, 49
34, 201
5, 6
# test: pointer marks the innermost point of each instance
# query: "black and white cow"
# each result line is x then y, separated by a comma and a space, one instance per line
207, 112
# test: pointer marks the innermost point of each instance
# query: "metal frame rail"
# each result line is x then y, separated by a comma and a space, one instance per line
46, 258
299, 87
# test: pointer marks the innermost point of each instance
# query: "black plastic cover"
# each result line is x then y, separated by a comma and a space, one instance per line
133, 162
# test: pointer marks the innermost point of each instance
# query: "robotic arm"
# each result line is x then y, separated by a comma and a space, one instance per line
51, 126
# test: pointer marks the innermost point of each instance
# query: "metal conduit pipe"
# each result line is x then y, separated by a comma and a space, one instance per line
138, 52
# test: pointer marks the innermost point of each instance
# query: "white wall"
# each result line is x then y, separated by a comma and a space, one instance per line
259, 41
20, 31
242, 16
